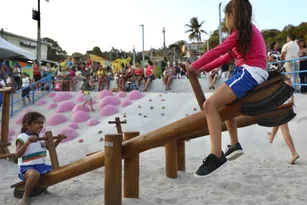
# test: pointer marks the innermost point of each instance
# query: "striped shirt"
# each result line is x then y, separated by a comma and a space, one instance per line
35, 153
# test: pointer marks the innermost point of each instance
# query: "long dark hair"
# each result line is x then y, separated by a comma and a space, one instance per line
29, 118
242, 12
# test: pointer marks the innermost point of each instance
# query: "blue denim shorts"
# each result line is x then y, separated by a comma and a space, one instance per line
241, 82
41, 168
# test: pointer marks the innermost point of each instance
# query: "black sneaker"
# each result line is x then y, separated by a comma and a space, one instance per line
210, 164
234, 151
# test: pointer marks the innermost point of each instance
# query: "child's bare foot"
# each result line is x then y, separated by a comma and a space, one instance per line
23, 202
271, 138
294, 158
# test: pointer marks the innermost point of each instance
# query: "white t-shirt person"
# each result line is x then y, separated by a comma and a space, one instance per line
291, 49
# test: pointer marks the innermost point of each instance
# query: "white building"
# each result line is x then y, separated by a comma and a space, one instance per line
25, 43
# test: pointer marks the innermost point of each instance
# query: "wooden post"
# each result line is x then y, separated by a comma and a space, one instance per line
199, 94
5, 122
131, 171
113, 169
52, 150
181, 155
171, 159
118, 124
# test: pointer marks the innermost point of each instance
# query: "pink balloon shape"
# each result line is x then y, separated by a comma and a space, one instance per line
108, 110
125, 103
56, 119
69, 132
52, 94
121, 94
61, 96
11, 133
105, 93
20, 117
134, 95
79, 108
73, 125
109, 100
80, 98
41, 102
65, 106
92, 122
80, 116
52, 105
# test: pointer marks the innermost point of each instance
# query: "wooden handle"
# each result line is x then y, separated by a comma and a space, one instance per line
4, 156
45, 138
5, 144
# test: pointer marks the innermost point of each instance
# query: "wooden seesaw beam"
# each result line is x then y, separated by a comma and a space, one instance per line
174, 131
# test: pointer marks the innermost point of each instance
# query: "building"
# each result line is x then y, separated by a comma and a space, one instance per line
25, 43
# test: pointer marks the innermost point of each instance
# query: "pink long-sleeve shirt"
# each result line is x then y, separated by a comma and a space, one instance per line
255, 57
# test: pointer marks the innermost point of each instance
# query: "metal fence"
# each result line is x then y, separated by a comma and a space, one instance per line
295, 71
16, 101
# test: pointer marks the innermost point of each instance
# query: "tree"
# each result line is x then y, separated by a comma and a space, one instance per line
96, 51
54, 51
195, 29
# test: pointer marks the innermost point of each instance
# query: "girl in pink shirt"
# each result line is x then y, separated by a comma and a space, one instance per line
247, 46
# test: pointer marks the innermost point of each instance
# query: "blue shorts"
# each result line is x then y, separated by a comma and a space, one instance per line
241, 82
41, 168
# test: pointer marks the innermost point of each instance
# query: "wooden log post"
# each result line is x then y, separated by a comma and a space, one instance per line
52, 151
118, 124
181, 155
113, 169
200, 96
171, 159
5, 122
131, 171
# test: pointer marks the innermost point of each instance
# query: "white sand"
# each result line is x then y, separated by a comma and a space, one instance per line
262, 176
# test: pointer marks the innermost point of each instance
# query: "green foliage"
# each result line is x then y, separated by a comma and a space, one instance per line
158, 71
195, 29
54, 52
96, 51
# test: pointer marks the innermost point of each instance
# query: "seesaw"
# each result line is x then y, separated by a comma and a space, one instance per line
263, 99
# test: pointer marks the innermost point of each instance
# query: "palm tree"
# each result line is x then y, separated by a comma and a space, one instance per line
195, 29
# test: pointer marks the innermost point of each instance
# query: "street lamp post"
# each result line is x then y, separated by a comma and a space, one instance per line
220, 24
143, 54
36, 15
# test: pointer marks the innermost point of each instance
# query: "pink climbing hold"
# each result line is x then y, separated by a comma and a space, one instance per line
69, 132
56, 119
134, 95
105, 93
52, 94
20, 117
109, 100
125, 103
80, 98
108, 110
92, 122
121, 94
65, 106
41, 102
73, 125
52, 105
79, 108
80, 116
62, 96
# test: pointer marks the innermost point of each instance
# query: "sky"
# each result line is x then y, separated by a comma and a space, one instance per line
79, 26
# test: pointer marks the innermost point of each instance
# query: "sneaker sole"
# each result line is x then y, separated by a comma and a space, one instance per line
212, 173
234, 155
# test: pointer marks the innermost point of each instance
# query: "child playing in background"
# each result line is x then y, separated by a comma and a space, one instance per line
286, 132
86, 88
31, 153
